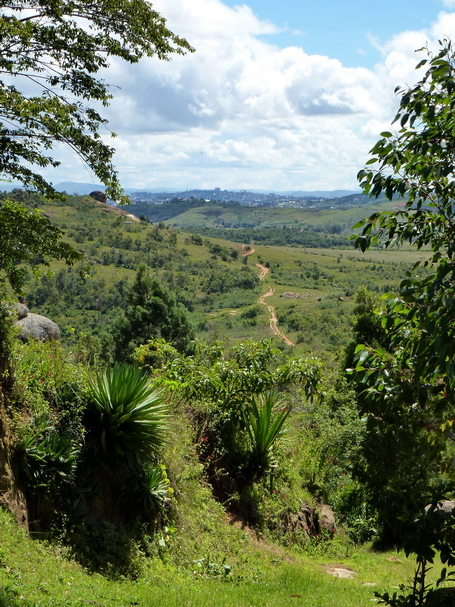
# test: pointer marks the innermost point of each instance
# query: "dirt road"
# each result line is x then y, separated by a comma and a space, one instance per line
264, 271
273, 319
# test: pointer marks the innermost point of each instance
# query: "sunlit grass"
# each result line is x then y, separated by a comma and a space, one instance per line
262, 575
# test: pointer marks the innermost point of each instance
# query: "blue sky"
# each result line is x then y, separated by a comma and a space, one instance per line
342, 29
279, 95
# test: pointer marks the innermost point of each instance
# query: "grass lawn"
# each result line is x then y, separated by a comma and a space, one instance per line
262, 575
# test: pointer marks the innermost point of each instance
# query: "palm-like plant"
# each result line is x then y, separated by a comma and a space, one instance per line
47, 458
126, 415
264, 420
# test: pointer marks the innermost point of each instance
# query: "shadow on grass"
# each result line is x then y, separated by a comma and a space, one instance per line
11, 598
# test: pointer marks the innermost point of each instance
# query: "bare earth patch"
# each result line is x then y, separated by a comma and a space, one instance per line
339, 570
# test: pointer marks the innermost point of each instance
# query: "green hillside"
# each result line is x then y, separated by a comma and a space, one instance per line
233, 215
314, 288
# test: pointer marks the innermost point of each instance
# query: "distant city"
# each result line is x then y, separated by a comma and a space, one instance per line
299, 199
334, 198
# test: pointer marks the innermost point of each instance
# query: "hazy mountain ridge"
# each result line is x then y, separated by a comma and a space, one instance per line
81, 188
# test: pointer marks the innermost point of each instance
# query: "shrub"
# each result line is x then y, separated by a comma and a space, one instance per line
126, 417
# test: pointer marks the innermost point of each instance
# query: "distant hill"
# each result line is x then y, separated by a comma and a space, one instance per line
80, 188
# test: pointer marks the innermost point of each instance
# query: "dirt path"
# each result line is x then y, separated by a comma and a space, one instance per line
252, 250
273, 319
264, 271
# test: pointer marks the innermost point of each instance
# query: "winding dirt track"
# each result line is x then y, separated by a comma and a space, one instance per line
273, 319
264, 271
252, 250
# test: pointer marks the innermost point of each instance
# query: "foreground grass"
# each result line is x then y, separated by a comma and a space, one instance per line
33, 574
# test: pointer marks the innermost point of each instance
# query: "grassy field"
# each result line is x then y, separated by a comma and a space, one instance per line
314, 294
213, 215
263, 575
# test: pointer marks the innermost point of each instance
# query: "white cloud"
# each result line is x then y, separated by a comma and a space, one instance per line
243, 113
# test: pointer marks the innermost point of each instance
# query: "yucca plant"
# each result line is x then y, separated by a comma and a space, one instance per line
126, 415
264, 419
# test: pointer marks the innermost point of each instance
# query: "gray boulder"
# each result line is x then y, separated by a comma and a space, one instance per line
443, 510
21, 310
35, 326
310, 522
326, 518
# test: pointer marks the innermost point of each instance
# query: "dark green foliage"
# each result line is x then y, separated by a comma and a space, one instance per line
27, 237
407, 387
152, 311
264, 419
60, 47
144, 490
367, 326
237, 427
308, 236
221, 281
47, 457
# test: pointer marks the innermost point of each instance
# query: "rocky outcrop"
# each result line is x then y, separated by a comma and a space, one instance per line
98, 195
21, 310
444, 509
310, 522
35, 326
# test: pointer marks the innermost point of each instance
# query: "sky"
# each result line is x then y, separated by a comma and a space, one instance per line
279, 95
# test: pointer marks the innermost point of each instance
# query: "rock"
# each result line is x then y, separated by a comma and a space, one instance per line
301, 522
98, 195
443, 510
35, 326
441, 597
326, 518
311, 522
21, 310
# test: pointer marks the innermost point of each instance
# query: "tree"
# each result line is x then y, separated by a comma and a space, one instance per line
27, 237
50, 54
152, 311
408, 386
235, 406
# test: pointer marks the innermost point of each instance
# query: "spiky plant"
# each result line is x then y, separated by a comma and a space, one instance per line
127, 416
264, 419
46, 457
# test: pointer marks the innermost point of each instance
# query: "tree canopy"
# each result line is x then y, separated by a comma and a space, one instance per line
152, 311
27, 237
50, 55
407, 384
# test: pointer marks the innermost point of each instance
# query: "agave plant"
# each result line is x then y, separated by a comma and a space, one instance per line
126, 415
264, 420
